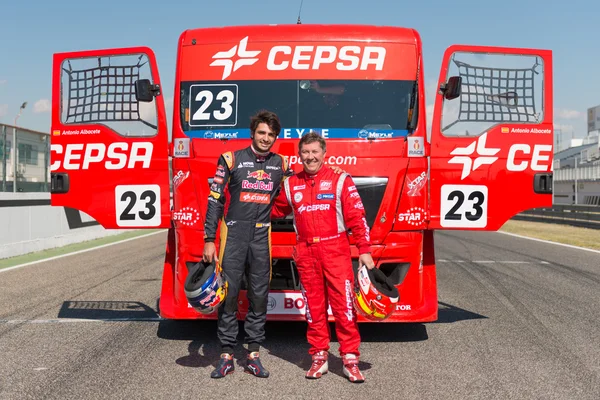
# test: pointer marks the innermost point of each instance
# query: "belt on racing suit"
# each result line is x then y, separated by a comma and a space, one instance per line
318, 239
256, 225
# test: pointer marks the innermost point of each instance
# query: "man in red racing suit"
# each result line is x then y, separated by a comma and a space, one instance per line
325, 205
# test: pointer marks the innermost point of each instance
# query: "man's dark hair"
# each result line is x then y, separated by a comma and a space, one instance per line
312, 137
269, 118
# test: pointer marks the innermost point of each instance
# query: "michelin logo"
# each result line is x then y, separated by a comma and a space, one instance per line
220, 135
365, 134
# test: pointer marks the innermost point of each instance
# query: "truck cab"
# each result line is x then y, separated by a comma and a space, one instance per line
486, 156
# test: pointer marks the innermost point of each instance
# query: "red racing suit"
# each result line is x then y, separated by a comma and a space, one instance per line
325, 206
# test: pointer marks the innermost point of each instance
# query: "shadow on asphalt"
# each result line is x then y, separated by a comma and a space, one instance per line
106, 310
448, 313
135, 310
285, 340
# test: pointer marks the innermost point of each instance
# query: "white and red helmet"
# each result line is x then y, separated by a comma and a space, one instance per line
375, 297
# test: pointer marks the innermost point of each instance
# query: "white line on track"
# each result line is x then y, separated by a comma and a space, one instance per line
549, 242
76, 320
78, 252
492, 261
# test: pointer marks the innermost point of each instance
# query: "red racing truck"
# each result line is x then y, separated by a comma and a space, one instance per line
486, 156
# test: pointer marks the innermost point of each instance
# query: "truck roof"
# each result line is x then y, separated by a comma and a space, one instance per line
302, 32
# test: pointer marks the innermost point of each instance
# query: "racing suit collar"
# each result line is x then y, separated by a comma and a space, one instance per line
258, 153
316, 175
259, 157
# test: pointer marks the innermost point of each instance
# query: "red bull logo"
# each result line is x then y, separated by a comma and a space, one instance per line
267, 187
259, 175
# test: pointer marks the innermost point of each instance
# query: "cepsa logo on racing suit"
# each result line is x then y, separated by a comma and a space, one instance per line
314, 207
117, 155
260, 198
300, 57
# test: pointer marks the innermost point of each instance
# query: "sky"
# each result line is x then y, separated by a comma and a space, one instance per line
30, 32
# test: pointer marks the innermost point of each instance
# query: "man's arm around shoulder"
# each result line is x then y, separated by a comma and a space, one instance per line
356, 219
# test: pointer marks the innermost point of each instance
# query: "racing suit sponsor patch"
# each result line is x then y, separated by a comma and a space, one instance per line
249, 197
325, 185
349, 306
260, 185
325, 196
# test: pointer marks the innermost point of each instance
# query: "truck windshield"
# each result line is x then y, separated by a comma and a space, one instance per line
344, 109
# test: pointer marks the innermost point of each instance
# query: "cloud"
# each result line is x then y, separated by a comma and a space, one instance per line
3, 110
564, 127
568, 114
3, 81
430, 89
430, 92
42, 106
429, 114
168, 102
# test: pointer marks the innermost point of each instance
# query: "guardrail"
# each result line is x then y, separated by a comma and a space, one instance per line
576, 215
582, 173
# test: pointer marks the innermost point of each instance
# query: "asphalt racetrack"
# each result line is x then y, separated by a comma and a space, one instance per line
519, 319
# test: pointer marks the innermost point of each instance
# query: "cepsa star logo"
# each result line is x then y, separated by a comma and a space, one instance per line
484, 156
244, 57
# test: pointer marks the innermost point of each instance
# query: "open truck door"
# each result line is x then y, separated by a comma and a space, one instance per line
492, 137
109, 139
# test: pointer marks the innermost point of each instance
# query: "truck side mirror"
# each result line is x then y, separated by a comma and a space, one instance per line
452, 88
145, 91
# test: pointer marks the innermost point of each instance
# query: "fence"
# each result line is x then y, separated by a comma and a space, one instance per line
576, 215
31, 171
581, 173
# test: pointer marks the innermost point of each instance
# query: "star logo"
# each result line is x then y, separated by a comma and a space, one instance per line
462, 155
244, 57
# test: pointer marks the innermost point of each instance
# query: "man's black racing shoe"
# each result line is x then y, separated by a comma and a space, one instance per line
255, 367
224, 367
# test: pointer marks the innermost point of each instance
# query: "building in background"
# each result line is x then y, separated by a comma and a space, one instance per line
577, 167
33, 160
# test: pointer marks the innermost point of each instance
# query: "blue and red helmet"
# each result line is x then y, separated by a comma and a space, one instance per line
205, 287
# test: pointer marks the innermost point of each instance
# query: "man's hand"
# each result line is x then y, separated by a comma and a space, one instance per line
337, 169
366, 259
209, 252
